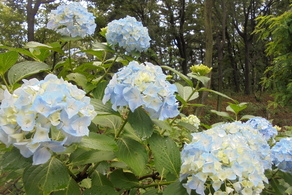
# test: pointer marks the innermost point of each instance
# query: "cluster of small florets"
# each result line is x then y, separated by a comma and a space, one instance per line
229, 158
129, 34
264, 127
144, 85
44, 116
192, 120
72, 20
200, 70
282, 154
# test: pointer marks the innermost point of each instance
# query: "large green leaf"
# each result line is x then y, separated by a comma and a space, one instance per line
102, 108
98, 142
71, 189
48, 177
99, 179
111, 121
133, 154
175, 188
202, 79
141, 123
100, 190
13, 160
81, 156
166, 154
123, 180
25, 69
7, 60
186, 92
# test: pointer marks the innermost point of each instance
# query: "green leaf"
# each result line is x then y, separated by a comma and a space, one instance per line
7, 60
24, 69
162, 124
112, 121
98, 92
13, 160
48, 177
186, 92
133, 154
71, 189
141, 123
33, 44
101, 108
98, 142
236, 108
246, 117
221, 113
175, 188
99, 179
166, 154
101, 190
78, 78
202, 79
188, 126
184, 77
123, 180
218, 93
81, 157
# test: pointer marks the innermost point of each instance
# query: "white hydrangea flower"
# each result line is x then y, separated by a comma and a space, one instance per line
28, 114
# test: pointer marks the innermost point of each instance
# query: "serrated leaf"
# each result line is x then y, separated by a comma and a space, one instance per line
162, 124
175, 188
101, 190
98, 142
166, 154
7, 60
72, 188
186, 92
141, 123
133, 154
48, 177
81, 157
236, 108
24, 69
123, 180
184, 77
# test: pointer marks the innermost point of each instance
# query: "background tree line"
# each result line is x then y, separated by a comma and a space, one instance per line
220, 34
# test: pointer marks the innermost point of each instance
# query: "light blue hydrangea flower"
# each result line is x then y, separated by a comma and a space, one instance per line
282, 154
232, 157
129, 34
264, 127
28, 115
144, 85
72, 20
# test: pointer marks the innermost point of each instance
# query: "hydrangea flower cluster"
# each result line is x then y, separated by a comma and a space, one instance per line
282, 154
191, 119
233, 154
264, 127
138, 85
200, 70
72, 20
44, 116
129, 34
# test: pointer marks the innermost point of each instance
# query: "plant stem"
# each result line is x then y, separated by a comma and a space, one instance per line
93, 169
121, 128
155, 184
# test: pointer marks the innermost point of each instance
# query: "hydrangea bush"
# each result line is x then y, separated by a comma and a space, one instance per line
74, 126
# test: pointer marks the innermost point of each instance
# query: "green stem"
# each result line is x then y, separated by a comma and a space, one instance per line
6, 83
72, 174
93, 169
121, 128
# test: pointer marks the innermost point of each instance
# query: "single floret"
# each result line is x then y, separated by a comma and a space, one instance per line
129, 34
72, 20
143, 85
34, 113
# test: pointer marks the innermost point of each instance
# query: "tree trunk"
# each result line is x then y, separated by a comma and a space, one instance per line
209, 47
247, 78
